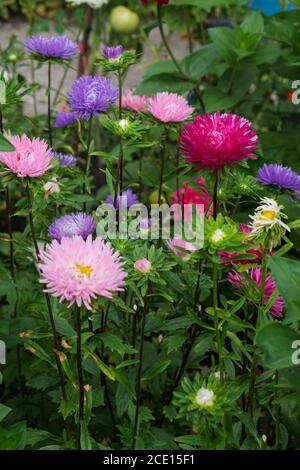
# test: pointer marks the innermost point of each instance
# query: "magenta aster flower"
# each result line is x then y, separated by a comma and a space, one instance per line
113, 52
212, 141
31, 157
78, 270
78, 223
65, 160
181, 248
190, 196
134, 102
91, 95
169, 107
127, 199
52, 47
239, 281
281, 176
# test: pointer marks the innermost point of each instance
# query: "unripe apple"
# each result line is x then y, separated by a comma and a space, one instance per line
124, 20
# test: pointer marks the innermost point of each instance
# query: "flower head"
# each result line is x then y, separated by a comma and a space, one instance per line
78, 223
169, 107
267, 216
78, 270
242, 283
143, 265
52, 47
181, 248
91, 95
281, 176
212, 141
205, 397
64, 119
65, 160
113, 52
194, 196
127, 199
91, 3
31, 157
255, 253
134, 102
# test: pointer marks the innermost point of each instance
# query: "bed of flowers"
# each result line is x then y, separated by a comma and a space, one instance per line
140, 340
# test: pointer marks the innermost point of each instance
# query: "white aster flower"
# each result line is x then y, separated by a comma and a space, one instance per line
205, 397
51, 186
267, 216
218, 235
123, 123
91, 3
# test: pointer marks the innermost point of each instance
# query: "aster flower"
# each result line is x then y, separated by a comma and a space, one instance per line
78, 223
192, 196
169, 107
52, 47
280, 176
205, 397
78, 270
91, 3
31, 157
64, 119
91, 95
134, 102
65, 160
236, 258
212, 141
127, 199
113, 52
181, 248
143, 265
243, 284
267, 216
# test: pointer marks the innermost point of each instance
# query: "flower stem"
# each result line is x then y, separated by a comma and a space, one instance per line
162, 168
49, 105
88, 159
48, 302
139, 374
119, 177
80, 376
215, 195
216, 320
83, 59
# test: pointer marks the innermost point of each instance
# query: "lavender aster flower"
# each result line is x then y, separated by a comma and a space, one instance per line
65, 160
52, 47
113, 52
281, 176
64, 119
76, 224
92, 95
127, 199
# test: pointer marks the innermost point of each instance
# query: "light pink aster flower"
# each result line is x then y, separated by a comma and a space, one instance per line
255, 274
79, 270
170, 107
212, 141
181, 248
134, 102
31, 157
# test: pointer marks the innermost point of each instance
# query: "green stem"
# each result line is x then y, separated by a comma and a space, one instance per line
119, 177
80, 376
88, 160
139, 374
162, 169
49, 105
215, 196
216, 320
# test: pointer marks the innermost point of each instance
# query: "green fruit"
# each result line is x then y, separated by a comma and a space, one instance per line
153, 198
124, 20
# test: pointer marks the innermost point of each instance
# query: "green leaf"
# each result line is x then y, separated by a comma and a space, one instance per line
153, 372
276, 341
114, 343
4, 410
225, 40
107, 370
85, 440
5, 145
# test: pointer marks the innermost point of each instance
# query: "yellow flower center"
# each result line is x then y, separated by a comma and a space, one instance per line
84, 270
268, 215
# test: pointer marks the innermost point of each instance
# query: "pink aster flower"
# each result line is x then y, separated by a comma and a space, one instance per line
181, 248
79, 270
239, 281
134, 102
170, 107
212, 141
192, 196
30, 158
229, 258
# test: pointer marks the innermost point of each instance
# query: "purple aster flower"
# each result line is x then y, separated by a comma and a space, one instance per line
65, 160
113, 52
92, 95
53, 47
281, 176
127, 199
78, 223
64, 119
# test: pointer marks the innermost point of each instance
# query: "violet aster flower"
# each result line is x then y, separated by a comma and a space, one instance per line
91, 95
127, 199
64, 119
76, 224
113, 52
65, 160
281, 176
52, 47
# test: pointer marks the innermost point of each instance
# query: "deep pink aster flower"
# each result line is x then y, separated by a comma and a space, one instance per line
181, 248
78, 270
191, 195
212, 141
238, 280
31, 157
170, 107
134, 102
